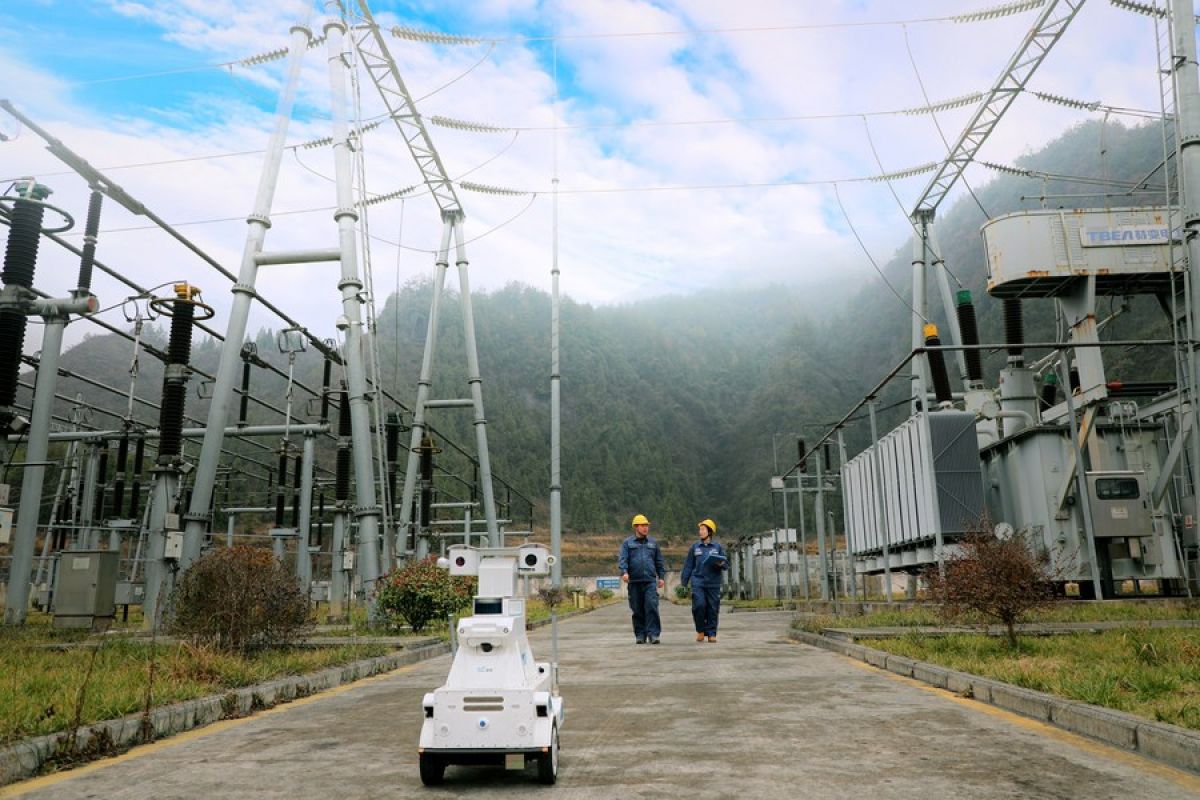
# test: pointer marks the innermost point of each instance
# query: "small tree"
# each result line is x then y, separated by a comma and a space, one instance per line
1001, 578
239, 598
552, 596
422, 591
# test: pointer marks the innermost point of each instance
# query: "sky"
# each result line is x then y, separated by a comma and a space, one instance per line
698, 144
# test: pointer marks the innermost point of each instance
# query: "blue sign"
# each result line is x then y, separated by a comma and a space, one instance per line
608, 583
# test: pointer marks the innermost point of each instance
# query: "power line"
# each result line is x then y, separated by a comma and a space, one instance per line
870, 258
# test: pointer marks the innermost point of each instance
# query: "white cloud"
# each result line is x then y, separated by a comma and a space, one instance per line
614, 245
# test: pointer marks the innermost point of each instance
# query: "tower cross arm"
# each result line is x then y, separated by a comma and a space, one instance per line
1049, 27
381, 67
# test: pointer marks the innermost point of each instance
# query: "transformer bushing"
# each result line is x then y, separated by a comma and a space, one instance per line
20, 262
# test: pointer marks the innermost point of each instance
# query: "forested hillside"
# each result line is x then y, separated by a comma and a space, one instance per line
670, 404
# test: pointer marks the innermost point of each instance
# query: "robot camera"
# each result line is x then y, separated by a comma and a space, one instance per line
534, 559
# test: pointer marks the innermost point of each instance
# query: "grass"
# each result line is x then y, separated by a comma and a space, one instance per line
40, 685
762, 602
1066, 611
1154, 673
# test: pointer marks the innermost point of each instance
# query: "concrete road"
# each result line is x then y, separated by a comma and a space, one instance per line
749, 717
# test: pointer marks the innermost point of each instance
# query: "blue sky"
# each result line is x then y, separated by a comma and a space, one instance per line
642, 109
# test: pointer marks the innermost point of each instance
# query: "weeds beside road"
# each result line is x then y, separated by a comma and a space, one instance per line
1152, 672
42, 686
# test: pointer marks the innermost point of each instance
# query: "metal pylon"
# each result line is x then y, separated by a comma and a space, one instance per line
452, 230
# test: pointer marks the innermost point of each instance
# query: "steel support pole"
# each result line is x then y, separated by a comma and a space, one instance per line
1081, 490
159, 574
55, 507
788, 540
337, 573
1187, 89
17, 604
476, 381
841, 443
368, 511
917, 367
948, 301
880, 520
775, 559
303, 558
85, 535
819, 512
803, 537
424, 382
230, 522
243, 294
555, 415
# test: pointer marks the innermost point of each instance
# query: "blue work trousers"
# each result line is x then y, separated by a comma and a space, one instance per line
643, 602
706, 607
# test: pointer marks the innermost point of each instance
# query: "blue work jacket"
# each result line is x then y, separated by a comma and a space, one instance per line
642, 559
704, 564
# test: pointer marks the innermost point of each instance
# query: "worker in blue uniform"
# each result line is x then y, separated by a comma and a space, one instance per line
705, 563
644, 573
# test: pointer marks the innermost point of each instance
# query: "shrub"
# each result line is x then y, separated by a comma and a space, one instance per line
604, 594
683, 592
422, 591
239, 599
552, 596
1000, 578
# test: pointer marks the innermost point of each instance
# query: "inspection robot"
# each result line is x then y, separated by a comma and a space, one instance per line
498, 706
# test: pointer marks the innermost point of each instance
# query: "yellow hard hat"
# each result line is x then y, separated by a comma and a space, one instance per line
708, 523
640, 519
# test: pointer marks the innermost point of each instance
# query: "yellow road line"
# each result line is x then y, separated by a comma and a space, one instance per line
18, 789
1142, 763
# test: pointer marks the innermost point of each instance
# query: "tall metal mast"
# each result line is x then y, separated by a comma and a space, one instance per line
381, 67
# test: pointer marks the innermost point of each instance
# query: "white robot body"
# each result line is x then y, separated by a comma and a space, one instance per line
497, 705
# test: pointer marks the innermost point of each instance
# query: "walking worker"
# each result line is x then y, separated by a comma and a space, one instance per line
705, 562
643, 571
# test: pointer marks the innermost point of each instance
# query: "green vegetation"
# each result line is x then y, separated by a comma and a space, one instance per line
41, 685
762, 602
1154, 673
927, 615
421, 593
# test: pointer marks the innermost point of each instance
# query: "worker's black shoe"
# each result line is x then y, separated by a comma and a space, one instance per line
654, 640
639, 641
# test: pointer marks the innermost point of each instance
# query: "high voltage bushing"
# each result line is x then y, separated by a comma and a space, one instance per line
281, 487
20, 261
135, 492
937, 365
391, 428
342, 476
969, 330
118, 494
101, 483
1014, 330
90, 231
802, 450
326, 376
182, 310
297, 470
